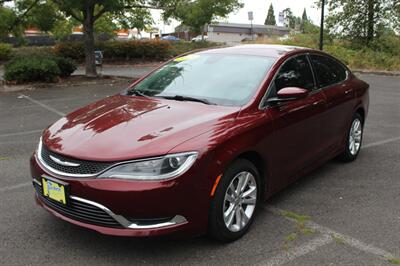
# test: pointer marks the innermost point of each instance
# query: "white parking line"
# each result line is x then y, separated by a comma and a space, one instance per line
13, 142
21, 133
9, 188
381, 142
296, 252
325, 231
45, 106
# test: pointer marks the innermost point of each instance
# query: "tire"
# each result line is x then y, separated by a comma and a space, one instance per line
353, 139
227, 201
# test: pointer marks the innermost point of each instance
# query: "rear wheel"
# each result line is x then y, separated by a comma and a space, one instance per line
354, 139
235, 200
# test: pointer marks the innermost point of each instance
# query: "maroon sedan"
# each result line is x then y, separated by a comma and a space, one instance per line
197, 144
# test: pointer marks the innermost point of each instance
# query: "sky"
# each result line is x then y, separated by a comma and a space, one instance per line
260, 9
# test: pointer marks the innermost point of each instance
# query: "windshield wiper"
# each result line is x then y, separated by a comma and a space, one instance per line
137, 93
186, 98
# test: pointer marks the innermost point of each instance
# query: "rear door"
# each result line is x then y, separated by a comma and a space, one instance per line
297, 134
331, 77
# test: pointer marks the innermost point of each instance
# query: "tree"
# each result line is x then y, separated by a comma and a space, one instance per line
43, 15
137, 18
197, 14
270, 20
304, 17
304, 21
7, 20
105, 25
290, 19
396, 15
62, 28
89, 11
358, 19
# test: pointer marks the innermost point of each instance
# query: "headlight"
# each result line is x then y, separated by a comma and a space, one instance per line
160, 168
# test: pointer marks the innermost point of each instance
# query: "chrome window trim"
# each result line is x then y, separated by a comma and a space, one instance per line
262, 106
334, 59
176, 220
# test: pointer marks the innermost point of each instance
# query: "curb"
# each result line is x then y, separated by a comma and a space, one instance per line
32, 86
377, 72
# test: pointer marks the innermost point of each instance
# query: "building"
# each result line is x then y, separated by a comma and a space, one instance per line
232, 33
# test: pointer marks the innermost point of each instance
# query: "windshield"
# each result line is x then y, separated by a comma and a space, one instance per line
222, 79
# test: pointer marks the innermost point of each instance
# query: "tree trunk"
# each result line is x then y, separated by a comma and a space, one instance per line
371, 20
88, 31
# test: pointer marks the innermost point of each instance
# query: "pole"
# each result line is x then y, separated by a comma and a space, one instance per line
251, 30
321, 31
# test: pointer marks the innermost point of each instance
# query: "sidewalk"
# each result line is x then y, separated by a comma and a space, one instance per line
119, 70
134, 71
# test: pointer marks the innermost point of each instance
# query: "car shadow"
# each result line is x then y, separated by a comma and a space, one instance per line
180, 250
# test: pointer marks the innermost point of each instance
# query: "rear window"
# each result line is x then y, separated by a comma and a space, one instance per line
222, 79
328, 70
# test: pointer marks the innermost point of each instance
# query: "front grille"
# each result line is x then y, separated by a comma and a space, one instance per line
84, 168
79, 211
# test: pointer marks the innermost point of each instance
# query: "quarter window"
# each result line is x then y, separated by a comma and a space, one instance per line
328, 70
296, 72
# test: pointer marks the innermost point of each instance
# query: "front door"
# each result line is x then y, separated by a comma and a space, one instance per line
295, 142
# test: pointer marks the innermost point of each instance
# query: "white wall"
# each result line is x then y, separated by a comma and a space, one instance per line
229, 38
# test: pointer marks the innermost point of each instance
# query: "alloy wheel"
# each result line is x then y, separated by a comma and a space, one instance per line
240, 201
355, 136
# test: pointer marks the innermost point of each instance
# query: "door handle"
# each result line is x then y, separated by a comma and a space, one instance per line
347, 91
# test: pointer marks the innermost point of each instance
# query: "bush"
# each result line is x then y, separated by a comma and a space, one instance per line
26, 51
5, 51
34, 69
73, 50
383, 53
117, 50
66, 65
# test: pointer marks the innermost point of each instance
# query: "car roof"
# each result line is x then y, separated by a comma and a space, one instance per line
266, 50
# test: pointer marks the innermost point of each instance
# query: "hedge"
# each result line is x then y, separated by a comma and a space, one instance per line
38, 68
66, 65
5, 51
28, 51
117, 50
34, 69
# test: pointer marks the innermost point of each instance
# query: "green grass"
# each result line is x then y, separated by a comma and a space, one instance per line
291, 237
382, 54
307, 231
301, 228
338, 239
395, 261
297, 217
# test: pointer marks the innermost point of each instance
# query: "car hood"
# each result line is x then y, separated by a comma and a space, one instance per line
128, 127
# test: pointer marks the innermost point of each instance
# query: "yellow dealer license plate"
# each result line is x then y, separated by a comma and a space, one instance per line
54, 190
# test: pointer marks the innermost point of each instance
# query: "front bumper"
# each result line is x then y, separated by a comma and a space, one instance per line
131, 208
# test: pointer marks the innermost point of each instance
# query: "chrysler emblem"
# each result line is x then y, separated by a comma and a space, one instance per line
64, 163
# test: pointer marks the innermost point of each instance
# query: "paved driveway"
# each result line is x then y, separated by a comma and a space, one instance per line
353, 209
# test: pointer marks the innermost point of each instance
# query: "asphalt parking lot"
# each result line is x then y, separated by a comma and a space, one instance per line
342, 214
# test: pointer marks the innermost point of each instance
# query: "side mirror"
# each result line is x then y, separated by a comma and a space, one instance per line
292, 93
289, 94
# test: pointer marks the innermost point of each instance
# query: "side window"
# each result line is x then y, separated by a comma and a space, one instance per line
328, 70
295, 72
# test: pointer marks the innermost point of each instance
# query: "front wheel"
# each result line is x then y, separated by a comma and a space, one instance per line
354, 139
235, 200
